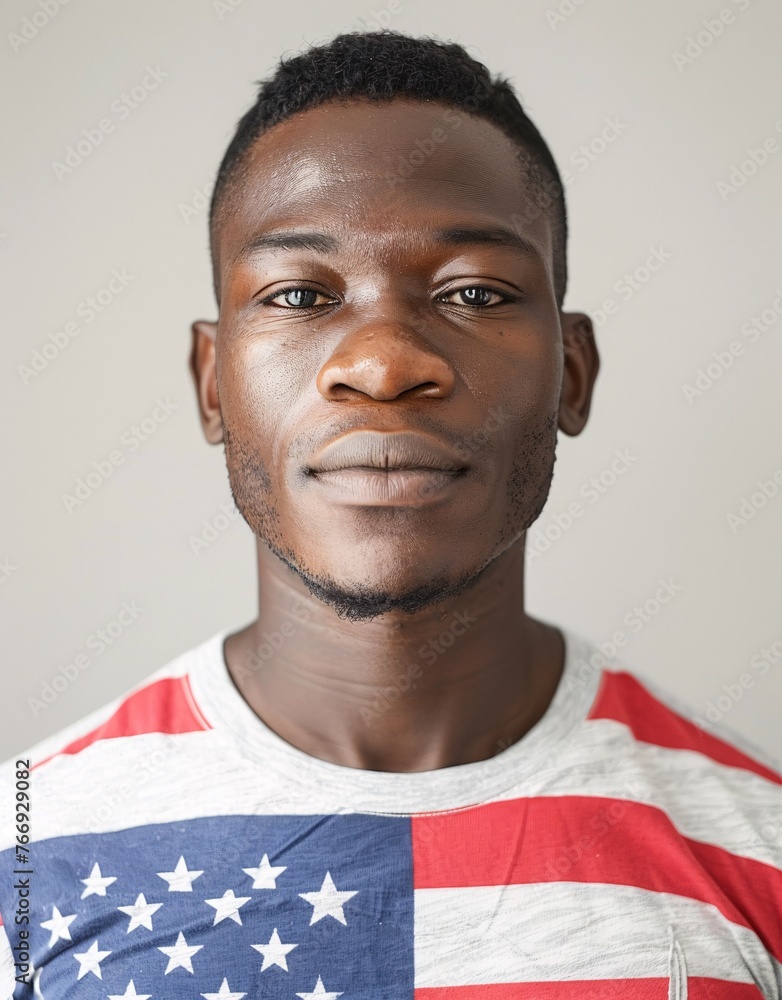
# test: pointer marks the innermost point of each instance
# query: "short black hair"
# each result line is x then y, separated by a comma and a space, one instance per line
382, 65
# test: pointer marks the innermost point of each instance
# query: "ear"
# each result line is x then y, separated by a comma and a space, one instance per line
581, 365
202, 368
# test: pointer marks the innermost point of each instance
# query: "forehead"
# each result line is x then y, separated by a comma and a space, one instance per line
380, 173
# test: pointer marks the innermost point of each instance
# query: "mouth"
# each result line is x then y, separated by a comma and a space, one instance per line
373, 468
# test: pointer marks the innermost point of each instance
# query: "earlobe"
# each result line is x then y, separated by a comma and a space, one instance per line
203, 369
580, 368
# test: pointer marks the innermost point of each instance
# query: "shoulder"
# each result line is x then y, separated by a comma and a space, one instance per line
681, 779
656, 718
162, 703
104, 748
685, 815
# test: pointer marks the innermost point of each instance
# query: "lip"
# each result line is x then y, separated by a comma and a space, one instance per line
375, 468
376, 488
397, 450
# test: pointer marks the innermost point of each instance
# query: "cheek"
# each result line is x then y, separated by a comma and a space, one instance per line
522, 414
245, 375
264, 389
242, 392
529, 382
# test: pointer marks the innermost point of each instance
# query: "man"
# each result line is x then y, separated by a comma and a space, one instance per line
394, 782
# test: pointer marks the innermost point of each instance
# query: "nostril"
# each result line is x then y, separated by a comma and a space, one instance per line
341, 390
384, 368
427, 389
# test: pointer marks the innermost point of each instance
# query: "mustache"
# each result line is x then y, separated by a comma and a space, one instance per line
464, 443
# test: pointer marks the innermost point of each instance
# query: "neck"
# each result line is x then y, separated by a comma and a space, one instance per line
449, 685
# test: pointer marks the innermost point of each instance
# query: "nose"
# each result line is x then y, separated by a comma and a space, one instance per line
384, 360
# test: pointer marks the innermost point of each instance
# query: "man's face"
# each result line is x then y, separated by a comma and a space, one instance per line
406, 311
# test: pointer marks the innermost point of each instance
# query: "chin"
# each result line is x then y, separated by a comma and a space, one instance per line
382, 593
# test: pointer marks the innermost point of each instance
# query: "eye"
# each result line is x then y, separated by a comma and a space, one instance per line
296, 298
477, 295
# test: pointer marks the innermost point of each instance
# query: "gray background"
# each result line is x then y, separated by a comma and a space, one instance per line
136, 202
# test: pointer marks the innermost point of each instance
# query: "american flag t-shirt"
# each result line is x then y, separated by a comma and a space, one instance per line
182, 850
182, 908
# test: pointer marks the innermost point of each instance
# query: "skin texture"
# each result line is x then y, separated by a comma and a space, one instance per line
369, 667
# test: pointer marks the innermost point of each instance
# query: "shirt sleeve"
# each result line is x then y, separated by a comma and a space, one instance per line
7, 978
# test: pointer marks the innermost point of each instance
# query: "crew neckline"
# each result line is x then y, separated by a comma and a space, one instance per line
389, 792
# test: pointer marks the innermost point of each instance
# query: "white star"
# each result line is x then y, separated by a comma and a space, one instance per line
180, 879
96, 883
265, 875
58, 925
180, 954
89, 961
224, 994
274, 952
327, 901
130, 993
319, 993
228, 906
140, 913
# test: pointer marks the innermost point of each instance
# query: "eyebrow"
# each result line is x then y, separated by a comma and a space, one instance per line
289, 240
453, 236
492, 236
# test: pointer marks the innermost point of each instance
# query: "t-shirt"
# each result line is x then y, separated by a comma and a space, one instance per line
179, 848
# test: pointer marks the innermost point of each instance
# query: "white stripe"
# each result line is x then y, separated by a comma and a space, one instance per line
719, 730
706, 801
54, 744
125, 782
571, 931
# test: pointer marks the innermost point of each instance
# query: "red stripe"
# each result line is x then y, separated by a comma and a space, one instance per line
165, 706
591, 839
698, 988
623, 698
